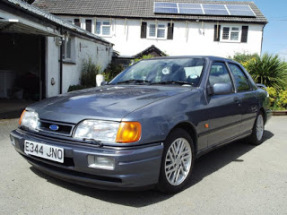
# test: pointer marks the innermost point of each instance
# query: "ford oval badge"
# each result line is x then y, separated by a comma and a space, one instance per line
54, 127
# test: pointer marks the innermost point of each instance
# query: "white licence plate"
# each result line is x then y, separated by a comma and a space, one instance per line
44, 151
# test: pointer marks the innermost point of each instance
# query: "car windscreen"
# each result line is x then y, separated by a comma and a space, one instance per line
182, 71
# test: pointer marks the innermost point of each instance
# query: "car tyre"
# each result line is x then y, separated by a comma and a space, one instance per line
177, 162
256, 138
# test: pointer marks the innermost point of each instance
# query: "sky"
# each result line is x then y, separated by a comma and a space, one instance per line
275, 32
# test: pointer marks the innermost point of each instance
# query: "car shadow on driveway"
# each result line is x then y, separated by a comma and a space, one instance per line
204, 166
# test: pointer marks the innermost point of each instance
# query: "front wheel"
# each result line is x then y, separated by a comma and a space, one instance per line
177, 162
256, 137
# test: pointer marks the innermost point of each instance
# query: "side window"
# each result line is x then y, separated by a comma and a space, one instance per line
103, 28
219, 74
241, 81
69, 48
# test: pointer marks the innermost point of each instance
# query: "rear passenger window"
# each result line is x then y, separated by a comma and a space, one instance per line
241, 81
219, 74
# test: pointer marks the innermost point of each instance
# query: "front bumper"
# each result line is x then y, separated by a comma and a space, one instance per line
135, 167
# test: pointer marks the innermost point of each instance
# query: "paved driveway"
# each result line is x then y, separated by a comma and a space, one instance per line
235, 179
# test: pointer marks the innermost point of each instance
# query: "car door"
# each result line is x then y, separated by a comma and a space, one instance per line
224, 110
247, 94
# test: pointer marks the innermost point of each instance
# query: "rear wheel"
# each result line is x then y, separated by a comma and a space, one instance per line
256, 137
177, 162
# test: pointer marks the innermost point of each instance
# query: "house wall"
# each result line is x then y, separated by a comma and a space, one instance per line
52, 67
82, 49
189, 38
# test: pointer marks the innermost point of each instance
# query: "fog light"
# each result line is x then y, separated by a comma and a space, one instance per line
100, 162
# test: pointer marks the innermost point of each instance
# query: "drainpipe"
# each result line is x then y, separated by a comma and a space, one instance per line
61, 63
262, 40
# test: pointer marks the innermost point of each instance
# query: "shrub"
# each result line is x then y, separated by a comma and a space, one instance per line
89, 72
75, 87
282, 101
272, 96
112, 71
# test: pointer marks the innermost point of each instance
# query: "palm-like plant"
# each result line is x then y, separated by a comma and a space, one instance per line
269, 70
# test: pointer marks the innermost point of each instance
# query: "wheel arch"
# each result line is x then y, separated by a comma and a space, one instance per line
190, 129
264, 114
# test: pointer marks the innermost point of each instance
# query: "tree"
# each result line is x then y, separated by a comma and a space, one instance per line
269, 70
244, 58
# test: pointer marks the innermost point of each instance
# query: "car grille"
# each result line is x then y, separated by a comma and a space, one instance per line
59, 128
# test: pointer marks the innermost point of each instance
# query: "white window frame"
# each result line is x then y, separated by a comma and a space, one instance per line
69, 48
229, 33
101, 27
156, 30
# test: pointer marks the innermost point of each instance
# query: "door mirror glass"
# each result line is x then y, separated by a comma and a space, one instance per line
221, 89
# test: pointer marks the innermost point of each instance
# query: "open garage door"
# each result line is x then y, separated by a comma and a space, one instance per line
22, 66
22, 71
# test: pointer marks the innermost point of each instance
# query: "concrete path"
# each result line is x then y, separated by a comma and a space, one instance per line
236, 179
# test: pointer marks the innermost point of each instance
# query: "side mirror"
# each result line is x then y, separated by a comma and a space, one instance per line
220, 89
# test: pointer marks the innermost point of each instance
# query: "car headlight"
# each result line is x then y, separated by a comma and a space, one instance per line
107, 131
29, 119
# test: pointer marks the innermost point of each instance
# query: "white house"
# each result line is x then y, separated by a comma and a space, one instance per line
176, 27
41, 55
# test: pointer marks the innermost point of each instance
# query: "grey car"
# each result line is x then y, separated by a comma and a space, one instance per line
147, 126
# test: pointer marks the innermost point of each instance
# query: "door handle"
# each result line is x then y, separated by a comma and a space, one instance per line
237, 101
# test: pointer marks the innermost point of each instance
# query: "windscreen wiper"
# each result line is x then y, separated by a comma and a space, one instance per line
172, 83
134, 81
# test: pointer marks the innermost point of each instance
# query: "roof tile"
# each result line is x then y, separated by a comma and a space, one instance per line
139, 9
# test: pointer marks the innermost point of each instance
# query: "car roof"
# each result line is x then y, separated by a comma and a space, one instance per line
209, 57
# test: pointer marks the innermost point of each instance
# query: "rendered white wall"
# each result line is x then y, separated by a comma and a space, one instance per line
84, 49
52, 67
190, 38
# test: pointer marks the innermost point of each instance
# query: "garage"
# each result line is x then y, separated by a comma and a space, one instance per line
41, 55
22, 66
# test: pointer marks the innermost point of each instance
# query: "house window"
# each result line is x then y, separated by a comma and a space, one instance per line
103, 28
68, 48
77, 22
231, 34
161, 30
89, 25
157, 31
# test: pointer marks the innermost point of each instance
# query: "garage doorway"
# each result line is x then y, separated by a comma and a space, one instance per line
22, 71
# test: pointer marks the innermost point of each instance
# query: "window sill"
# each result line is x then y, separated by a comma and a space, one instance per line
152, 38
69, 61
229, 41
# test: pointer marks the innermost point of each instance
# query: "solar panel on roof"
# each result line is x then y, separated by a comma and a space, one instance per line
216, 12
203, 9
189, 6
240, 10
238, 7
241, 13
165, 4
166, 10
190, 11
214, 6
